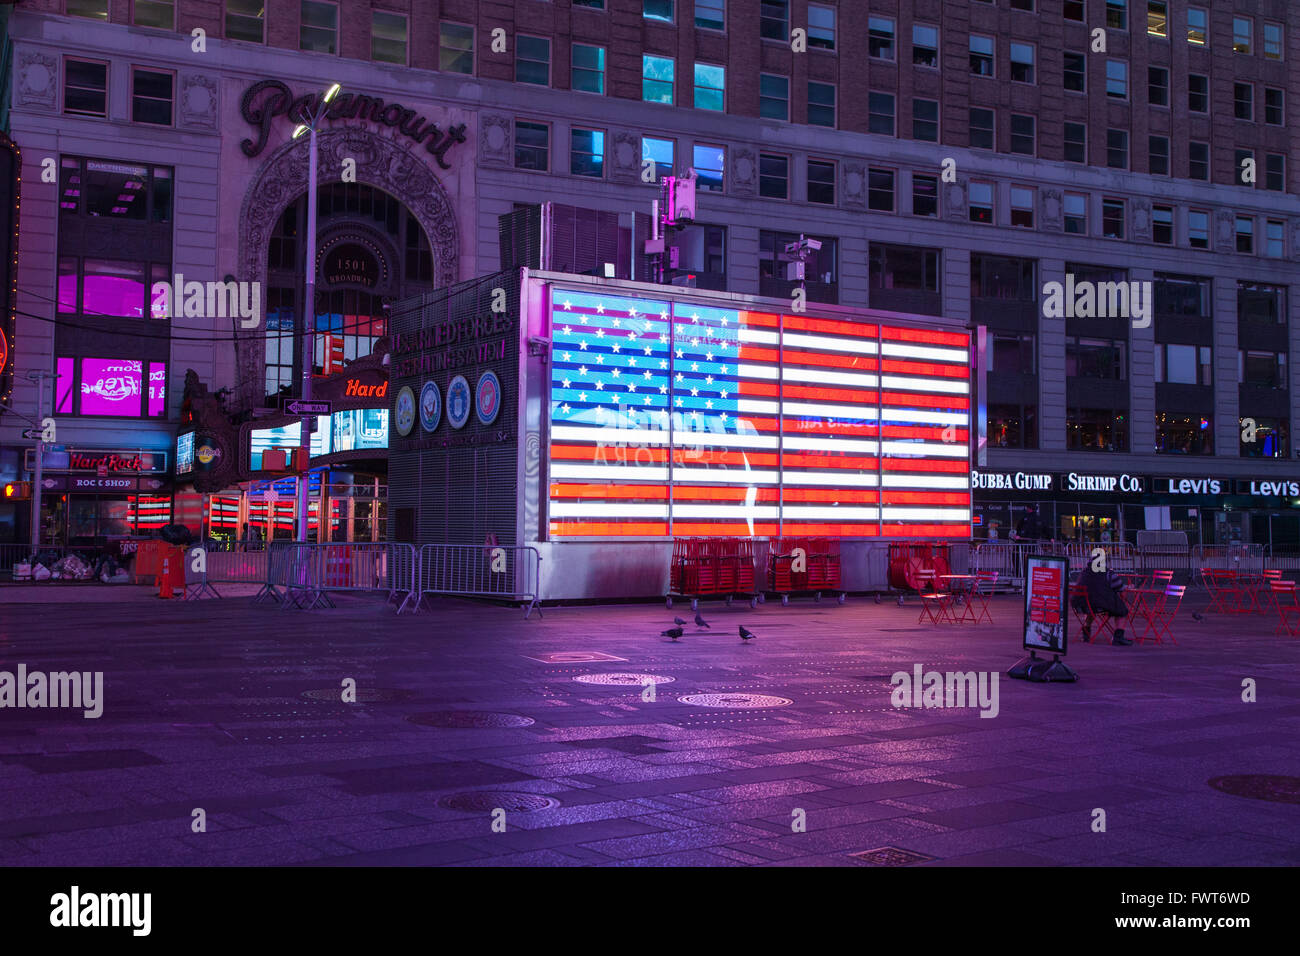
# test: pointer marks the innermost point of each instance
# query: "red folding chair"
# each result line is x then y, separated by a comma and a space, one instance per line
1102, 620
1286, 601
1219, 586
1159, 613
936, 604
980, 592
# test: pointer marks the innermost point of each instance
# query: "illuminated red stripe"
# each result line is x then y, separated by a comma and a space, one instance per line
845, 496
708, 529
864, 530
926, 465
723, 493
760, 389
925, 336
937, 432
810, 392
610, 491
926, 368
914, 400
758, 355
804, 323
798, 357
795, 426
958, 530
896, 497
612, 529
765, 319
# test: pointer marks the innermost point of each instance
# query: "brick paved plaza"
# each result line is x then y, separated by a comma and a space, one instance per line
235, 709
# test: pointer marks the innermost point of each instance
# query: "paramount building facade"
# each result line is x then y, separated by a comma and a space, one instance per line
954, 159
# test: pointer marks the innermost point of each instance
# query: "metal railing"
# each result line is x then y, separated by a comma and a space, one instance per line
512, 573
303, 575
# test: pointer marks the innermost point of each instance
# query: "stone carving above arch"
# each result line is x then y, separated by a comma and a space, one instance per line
955, 200
495, 139
1052, 210
282, 179
855, 178
744, 171
625, 155
198, 105
38, 84
1142, 219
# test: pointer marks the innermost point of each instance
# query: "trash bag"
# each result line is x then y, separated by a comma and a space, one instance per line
40, 572
119, 577
176, 534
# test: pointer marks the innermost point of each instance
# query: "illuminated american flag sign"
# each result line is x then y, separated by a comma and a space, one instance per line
678, 418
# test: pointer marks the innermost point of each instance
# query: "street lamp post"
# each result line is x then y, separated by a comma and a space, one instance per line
309, 312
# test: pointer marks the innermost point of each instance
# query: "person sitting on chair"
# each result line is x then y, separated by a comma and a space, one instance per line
1104, 589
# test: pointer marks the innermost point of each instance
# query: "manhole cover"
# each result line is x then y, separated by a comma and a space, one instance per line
365, 695
1260, 786
635, 680
469, 718
890, 856
574, 657
734, 701
485, 801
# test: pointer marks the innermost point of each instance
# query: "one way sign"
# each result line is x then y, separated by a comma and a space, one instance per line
34, 433
296, 406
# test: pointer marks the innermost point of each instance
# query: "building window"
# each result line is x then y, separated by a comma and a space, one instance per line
1272, 40
1076, 143
1198, 29
1275, 239
1261, 369
822, 284
1273, 111
1158, 18
159, 14
702, 252
587, 68
904, 267
1117, 14
925, 120
710, 87
1198, 229
925, 195
114, 191
1243, 101
1158, 155
880, 38
657, 10
773, 96
533, 60
1162, 225
532, 146
880, 190
111, 388
1023, 5
1117, 79
981, 55
709, 162
821, 182
1076, 72
245, 20
1076, 214
1022, 134
92, 9
1245, 235
1198, 93
711, 14
85, 88
388, 37
774, 20
821, 27
1022, 63
1013, 426
1012, 353
880, 110
657, 79
1117, 148
925, 45
318, 30
151, 96
1095, 358
1157, 86
1275, 172
773, 176
1112, 218
107, 288
456, 48
981, 128
1183, 296
821, 104
660, 152
1022, 207
1198, 161
1270, 438
981, 203
1074, 10
1002, 277
1243, 33
1096, 429
587, 152
1243, 159
1178, 433
1257, 302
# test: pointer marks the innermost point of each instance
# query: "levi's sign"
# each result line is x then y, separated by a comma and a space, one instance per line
1269, 489
1197, 486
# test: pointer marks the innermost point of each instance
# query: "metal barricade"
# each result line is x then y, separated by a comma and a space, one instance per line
303, 575
493, 571
222, 567
1007, 558
1119, 555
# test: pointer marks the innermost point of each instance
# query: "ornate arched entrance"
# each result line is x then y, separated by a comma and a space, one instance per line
282, 180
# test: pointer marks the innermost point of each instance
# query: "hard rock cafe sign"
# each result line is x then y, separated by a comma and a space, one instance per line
266, 99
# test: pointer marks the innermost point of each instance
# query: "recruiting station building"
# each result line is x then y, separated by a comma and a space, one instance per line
597, 419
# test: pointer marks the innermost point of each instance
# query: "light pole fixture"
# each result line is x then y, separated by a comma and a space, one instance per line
311, 122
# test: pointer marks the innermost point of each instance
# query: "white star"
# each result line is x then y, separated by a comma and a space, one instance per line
584, 320
616, 321
600, 333
582, 346
600, 308
708, 356
663, 389
679, 353
582, 370
663, 363
723, 416
664, 316
695, 318
708, 380
646, 349
568, 306
723, 345
680, 376
631, 386
616, 348
724, 370
708, 404
567, 331
646, 401
679, 403
582, 396
632, 362
722, 394
695, 366
631, 312
631, 336
663, 337
646, 375
695, 415
725, 320
695, 392
600, 386
617, 373
565, 408
600, 360
695, 343
565, 381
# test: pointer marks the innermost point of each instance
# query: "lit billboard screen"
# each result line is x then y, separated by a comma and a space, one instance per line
184, 453
359, 429
730, 422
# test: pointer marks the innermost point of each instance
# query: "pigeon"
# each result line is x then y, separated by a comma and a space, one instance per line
746, 635
877, 598
700, 622
1197, 616
900, 600
673, 632
678, 620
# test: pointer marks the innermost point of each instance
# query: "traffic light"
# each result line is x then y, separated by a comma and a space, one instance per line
18, 490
